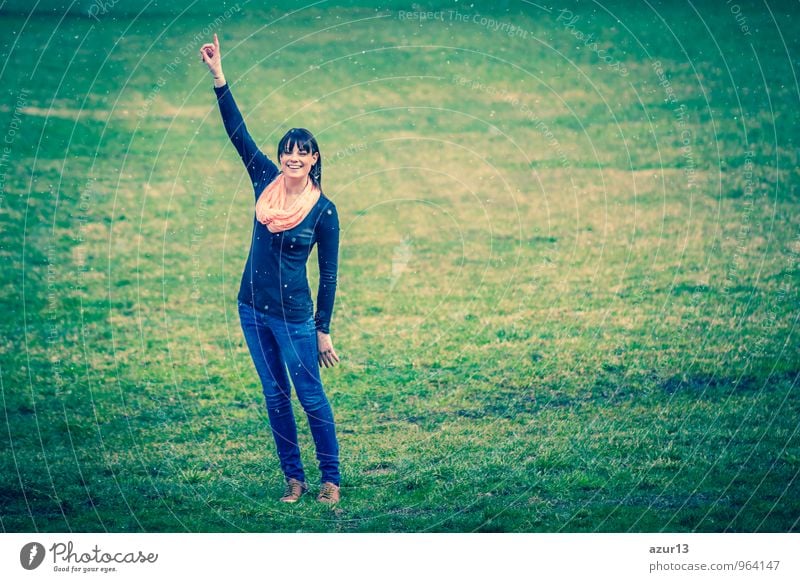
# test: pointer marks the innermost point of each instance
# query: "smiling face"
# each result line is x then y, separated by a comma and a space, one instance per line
299, 156
298, 163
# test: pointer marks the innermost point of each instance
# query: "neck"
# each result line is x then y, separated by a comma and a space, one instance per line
295, 186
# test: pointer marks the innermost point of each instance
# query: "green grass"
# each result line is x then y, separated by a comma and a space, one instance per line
542, 326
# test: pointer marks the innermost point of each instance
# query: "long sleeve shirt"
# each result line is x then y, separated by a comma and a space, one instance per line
274, 279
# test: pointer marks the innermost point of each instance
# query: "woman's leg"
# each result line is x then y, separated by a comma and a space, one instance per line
275, 384
298, 342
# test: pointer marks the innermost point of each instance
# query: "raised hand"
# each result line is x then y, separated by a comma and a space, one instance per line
210, 55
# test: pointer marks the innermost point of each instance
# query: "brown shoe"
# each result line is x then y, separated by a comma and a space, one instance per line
294, 490
329, 493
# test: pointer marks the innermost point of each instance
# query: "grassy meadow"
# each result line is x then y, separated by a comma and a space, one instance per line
568, 280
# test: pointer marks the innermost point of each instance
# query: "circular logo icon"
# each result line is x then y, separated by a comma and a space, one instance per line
31, 555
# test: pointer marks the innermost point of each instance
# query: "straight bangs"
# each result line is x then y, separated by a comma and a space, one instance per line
302, 138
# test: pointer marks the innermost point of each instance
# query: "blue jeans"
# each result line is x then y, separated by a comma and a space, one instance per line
275, 344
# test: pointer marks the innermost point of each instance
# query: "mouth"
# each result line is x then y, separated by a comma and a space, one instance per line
294, 167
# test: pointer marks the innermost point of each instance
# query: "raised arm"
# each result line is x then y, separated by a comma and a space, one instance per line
260, 168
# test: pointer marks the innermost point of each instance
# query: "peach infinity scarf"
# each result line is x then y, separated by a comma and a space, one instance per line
269, 207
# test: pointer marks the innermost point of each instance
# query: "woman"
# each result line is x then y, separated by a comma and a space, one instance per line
275, 307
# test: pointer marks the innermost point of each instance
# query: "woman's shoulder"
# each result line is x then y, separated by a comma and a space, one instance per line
326, 205
327, 215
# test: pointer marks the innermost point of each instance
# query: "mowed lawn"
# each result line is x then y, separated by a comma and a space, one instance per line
568, 281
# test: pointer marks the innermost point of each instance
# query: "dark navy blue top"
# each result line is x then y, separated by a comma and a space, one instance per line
274, 279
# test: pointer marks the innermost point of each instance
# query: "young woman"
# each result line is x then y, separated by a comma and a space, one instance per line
286, 340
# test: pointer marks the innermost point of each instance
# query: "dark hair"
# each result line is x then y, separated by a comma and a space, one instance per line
304, 140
